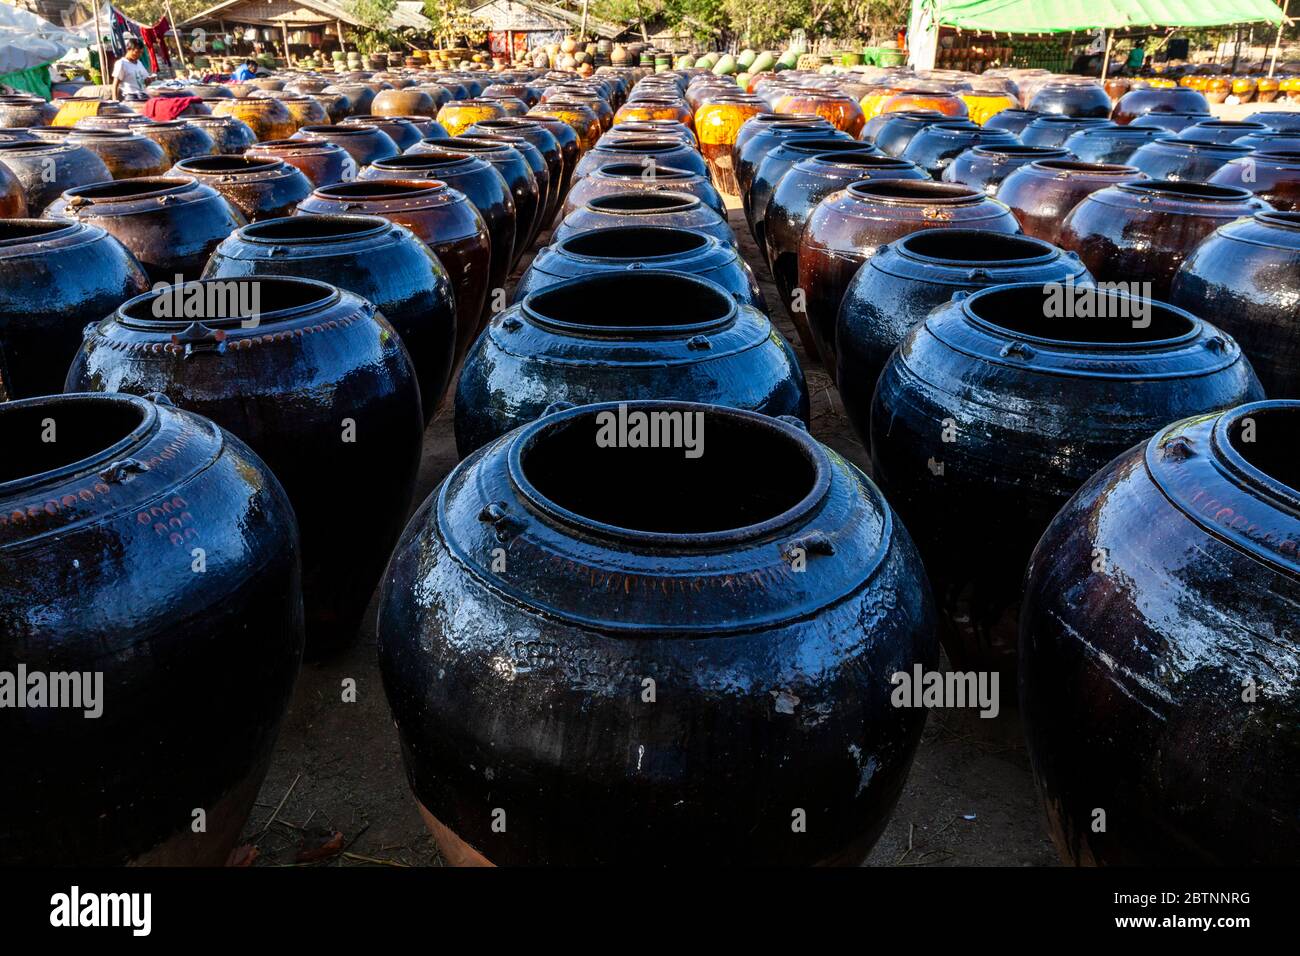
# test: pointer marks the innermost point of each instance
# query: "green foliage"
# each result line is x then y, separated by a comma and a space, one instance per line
761, 23
453, 23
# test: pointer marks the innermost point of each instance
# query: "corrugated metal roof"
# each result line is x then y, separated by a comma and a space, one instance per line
1058, 16
258, 11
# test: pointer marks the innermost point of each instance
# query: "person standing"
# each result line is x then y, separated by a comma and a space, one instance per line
130, 76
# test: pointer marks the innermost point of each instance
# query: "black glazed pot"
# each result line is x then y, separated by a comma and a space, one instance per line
627, 177
260, 188
642, 334
102, 535
1271, 140
1174, 122
1220, 131
985, 167
751, 152
1271, 176
909, 278
45, 170
384, 263
1052, 130
53, 277
937, 145
620, 572
482, 185
642, 247
548, 149
1112, 144
779, 161
892, 132
797, 194
1012, 120
318, 384
1183, 160
1035, 398
1284, 121
1072, 99
1246, 275
648, 153
1157, 651
645, 208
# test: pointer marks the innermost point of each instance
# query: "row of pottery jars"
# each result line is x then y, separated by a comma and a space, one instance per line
491, 695
1159, 599
848, 227
101, 533
1000, 375
317, 383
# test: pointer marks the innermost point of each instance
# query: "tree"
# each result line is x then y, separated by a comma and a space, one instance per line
452, 22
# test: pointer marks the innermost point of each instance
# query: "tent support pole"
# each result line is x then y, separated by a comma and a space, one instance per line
1272, 67
176, 35
284, 27
103, 59
1105, 57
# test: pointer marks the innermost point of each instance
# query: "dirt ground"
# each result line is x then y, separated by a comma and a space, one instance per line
337, 768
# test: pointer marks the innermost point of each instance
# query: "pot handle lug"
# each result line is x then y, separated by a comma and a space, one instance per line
794, 420
806, 546
1017, 349
198, 337
1217, 343
120, 470
698, 343
555, 408
506, 525
159, 398
959, 295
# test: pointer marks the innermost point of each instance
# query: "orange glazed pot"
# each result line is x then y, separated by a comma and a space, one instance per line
949, 104
717, 124
581, 120
653, 108
459, 115
839, 109
268, 118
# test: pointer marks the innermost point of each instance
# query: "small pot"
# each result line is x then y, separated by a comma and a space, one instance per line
935, 146
1140, 102
43, 170
1072, 99
1272, 176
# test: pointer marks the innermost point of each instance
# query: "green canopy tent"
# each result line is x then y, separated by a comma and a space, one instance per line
1063, 16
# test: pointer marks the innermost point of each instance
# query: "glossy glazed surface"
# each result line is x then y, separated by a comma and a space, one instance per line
1041, 194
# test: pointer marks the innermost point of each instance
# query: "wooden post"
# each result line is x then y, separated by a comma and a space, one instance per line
582, 30
342, 47
105, 79
176, 35
1105, 57
288, 58
1272, 67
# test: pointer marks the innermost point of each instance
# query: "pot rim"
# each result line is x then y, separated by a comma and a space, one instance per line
234, 165
43, 229
703, 241
367, 227
400, 189
1046, 251
530, 306
326, 295
133, 439
677, 202
635, 171
163, 186
527, 437
1079, 166
924, 192
1188, 190
1235, 462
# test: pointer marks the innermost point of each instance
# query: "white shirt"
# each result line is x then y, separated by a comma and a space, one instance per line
134, 76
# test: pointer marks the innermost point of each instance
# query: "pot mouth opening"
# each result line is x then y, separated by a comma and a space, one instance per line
16, 232
225, 304
861, 159
632, 305
1078, 166
798, 126
369, 119
976, 247
915, 191
914, 115
588, 468
227, 164
141, 187
636, 171
1288, 220
1203, 147
1278, 155
643, 201
113, 134
1188, 190
633, 243
311, 228
828, 144
279, 144
92, 430
640, 145
1230, 124
512, 122
1258, 441
470, 145
1051, 313
30, 146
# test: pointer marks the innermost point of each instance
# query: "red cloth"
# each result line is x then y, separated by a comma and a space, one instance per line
163, 109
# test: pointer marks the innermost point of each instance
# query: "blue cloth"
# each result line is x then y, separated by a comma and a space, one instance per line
243, 74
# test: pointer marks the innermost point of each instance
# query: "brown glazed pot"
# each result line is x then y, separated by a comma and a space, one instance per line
13, 197
481, 184
717, 124
54, 276
949, 104
570, 147
624, 177
616, 210
323, 163
652, 129
530, 95
797, 194
44, 170
179, 139
267, 118
1178, 99
407, 102
118, 121
127, 155
305, 111
584, 123
366, 143
404, 131
598, 107
440, 215
986, 167
1143, 231
170, 224
230, 136
359, 96
1040, 194
260, 188
459, 115
24, 111
337, 106
848, 227
1273, 176
652, 108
